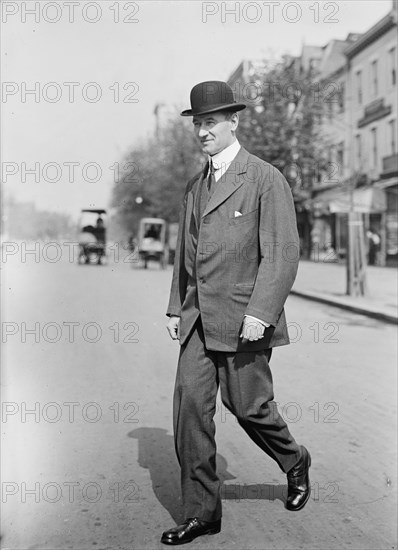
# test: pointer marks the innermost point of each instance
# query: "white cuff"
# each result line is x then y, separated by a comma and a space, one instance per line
259, 320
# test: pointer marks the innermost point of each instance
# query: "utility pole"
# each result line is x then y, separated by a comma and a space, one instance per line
356, 253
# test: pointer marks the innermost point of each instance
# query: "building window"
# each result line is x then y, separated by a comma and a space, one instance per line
393, 65
341, 98
375, 83
359, 87
340, 158
393, 136
331, 154
374, 147
358, 147
330, 110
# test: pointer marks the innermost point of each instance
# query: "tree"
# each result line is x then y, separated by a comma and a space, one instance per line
282, 123
156, 174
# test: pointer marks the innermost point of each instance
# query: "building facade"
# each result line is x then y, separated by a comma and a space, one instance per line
333, 170
373, 153
358, 87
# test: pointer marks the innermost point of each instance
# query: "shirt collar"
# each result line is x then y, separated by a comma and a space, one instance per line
226, 156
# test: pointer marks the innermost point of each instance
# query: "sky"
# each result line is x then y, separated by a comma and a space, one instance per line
97, 70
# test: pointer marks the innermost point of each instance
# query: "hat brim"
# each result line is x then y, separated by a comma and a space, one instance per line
234, 107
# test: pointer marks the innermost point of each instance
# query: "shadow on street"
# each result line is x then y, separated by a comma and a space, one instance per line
156, 453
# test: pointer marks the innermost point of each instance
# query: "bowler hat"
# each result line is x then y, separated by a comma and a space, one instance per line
212, 96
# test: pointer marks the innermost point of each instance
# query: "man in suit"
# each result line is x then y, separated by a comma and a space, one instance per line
236, 261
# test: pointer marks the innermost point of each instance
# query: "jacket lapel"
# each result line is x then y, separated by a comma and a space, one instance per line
229, 182
194, 198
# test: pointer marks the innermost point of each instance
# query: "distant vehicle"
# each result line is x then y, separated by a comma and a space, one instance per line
152, 241
92, 236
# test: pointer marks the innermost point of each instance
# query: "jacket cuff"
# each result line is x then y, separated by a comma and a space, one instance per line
174, 311
267, 318
259, 320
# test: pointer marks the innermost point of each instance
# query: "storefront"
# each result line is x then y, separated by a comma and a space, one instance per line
390, 188
331, 208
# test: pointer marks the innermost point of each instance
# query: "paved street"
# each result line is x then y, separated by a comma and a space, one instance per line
92, 464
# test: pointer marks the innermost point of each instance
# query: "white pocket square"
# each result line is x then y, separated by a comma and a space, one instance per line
237, 214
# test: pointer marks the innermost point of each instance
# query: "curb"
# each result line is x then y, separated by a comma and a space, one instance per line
373, 313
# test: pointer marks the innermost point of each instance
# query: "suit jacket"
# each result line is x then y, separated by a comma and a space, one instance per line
226, 265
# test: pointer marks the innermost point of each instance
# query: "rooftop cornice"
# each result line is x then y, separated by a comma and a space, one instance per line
380, 28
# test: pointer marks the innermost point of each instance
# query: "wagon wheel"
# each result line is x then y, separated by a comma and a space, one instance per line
81, 255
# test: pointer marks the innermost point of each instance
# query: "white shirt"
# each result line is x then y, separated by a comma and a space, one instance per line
221, 162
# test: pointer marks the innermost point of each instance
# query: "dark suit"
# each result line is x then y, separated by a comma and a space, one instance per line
227, 266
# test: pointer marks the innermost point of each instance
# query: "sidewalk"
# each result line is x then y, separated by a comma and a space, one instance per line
326, 282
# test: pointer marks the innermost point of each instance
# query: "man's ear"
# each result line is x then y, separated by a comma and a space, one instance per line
234, 121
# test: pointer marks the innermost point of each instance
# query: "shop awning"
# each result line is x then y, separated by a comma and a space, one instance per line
384, 184
365, 200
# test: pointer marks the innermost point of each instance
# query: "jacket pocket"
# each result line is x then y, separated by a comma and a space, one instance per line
250, 216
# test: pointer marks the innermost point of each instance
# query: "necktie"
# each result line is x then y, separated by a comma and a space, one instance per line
211, 180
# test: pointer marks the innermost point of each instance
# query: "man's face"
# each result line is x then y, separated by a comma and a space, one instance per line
214, 131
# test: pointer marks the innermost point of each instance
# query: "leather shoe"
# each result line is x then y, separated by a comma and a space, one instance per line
298, 483
189, 530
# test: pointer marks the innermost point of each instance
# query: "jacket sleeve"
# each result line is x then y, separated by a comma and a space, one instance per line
279, 250
180, 276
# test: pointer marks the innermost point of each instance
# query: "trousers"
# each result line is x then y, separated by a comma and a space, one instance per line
246, 387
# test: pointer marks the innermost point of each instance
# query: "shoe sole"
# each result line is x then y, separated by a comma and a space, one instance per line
212, 532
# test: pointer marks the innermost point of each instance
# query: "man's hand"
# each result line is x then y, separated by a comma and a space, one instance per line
252, 330
173, 326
